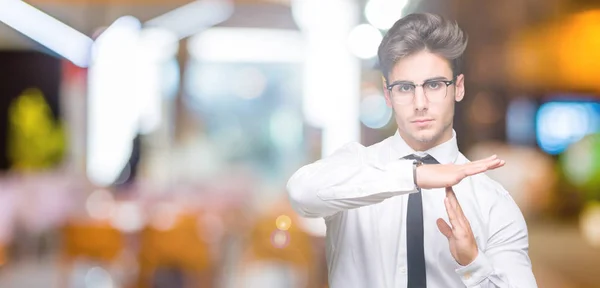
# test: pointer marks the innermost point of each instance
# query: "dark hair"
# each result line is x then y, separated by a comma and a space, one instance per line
423, 31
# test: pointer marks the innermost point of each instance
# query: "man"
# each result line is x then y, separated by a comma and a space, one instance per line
396, 218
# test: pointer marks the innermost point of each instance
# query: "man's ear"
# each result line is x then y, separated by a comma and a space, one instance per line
386, 92
460, 88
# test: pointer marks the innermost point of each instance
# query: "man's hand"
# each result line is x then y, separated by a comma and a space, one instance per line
460, 236
431, 176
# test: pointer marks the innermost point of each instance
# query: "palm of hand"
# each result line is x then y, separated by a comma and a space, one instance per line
448, 175
463, 248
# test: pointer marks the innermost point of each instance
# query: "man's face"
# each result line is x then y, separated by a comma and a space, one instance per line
422, 123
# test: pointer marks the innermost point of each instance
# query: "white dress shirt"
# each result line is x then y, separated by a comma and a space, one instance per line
362, 192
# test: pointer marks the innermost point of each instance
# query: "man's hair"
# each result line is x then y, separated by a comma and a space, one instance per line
424, 31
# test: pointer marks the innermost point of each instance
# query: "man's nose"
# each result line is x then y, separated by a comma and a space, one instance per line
421, 101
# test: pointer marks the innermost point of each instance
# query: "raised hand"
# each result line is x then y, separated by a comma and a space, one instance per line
460, 236
431, 176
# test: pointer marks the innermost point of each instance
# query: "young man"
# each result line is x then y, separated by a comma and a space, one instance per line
397, 218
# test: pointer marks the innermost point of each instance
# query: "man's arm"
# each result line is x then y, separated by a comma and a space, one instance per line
346, 180
505, 262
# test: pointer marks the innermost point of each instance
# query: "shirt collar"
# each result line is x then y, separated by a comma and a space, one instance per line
444, 153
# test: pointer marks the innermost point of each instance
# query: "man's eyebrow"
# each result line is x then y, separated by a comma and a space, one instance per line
401, 82
437, 78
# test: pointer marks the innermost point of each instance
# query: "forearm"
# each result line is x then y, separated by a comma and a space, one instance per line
335, 184
504, 263
482, 274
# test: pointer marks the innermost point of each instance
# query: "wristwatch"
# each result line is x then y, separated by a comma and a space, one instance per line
416, 163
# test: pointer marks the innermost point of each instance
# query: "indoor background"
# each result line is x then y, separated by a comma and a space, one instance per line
147, 143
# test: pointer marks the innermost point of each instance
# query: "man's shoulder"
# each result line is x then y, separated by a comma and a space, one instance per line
357, 147
378, 146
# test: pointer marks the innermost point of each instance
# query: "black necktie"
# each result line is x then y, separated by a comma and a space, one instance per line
415, 248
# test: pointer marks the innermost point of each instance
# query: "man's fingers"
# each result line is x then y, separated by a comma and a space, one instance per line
451, 214
454, 201
474, 169
444, 228
498, 165
491, 158
460, 215
494, 163
480, 168
449, 192
489, 161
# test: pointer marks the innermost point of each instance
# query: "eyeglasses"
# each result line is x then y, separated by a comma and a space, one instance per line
404, 92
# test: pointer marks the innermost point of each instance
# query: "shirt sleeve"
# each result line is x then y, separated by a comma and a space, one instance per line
505, 262
347, 180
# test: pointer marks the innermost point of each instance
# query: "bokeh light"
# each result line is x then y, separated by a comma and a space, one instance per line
560, 124
520, 121
100, 204
581, 165
280, 239
98, 277
384, 13
164, 216
283, 222
590, 223
364, 41
374, 113
128, 217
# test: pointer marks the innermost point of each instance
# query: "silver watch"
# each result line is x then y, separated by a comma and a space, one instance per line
416, 163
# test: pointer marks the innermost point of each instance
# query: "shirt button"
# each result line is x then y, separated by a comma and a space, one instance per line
403, 270
467, 276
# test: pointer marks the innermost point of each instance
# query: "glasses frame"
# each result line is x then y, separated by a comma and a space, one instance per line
414, 85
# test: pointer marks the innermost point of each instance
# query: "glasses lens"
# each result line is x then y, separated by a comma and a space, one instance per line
435, 90
403, 93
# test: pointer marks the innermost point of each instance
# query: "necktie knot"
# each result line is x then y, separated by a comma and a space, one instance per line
427, 159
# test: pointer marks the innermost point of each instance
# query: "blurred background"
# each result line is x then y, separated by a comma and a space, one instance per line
147, 143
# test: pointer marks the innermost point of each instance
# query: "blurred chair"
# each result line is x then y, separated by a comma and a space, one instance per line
93, 241
175, 255
278, 256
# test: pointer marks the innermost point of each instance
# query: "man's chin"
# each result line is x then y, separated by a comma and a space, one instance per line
424, 136
424, 139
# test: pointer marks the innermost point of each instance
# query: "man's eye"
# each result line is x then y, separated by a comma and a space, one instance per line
434, 85
405, 88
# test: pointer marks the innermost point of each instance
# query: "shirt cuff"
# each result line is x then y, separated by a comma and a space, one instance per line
400, 176
475, 272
